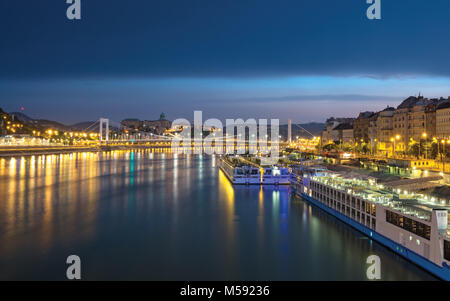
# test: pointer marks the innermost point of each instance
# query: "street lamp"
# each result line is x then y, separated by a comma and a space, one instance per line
375, 141
424, 136
393, 144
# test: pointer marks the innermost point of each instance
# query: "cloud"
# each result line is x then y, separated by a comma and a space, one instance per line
319, 97
216, 38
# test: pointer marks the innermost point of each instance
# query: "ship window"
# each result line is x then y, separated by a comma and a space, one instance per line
374, 210
427, 232
420, 229
447, 250
413, 226
408, 224
363, 207
374, 224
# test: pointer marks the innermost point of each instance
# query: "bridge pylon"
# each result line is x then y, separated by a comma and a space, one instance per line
106, 122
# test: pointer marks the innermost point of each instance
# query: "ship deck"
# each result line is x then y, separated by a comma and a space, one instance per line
410, 203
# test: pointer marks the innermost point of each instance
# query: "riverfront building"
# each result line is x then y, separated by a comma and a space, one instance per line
415, 120
385, 129
361, 127
345, 133
443, 120
156, 126
331, 133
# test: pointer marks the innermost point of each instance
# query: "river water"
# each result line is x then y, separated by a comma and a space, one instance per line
143, 215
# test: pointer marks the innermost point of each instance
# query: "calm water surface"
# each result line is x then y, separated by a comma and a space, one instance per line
155, 216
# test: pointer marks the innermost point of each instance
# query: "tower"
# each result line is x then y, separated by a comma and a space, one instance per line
289, 130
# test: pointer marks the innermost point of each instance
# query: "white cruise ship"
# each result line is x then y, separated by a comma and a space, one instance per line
412, 225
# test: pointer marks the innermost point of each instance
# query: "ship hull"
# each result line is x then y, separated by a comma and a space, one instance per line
441, 272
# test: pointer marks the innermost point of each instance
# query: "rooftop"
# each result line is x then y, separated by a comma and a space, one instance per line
344, 126
444, 105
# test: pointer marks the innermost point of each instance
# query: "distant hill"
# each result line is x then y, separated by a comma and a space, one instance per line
22, 117
90, 126
42, 123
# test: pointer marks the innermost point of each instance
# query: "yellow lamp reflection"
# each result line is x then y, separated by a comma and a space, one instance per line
227, 187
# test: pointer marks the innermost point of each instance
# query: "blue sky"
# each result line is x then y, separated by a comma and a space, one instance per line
304, 60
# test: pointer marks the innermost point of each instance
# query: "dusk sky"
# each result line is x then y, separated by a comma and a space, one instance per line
304, 60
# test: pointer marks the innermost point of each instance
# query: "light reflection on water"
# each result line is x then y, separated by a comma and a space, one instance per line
145, 215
